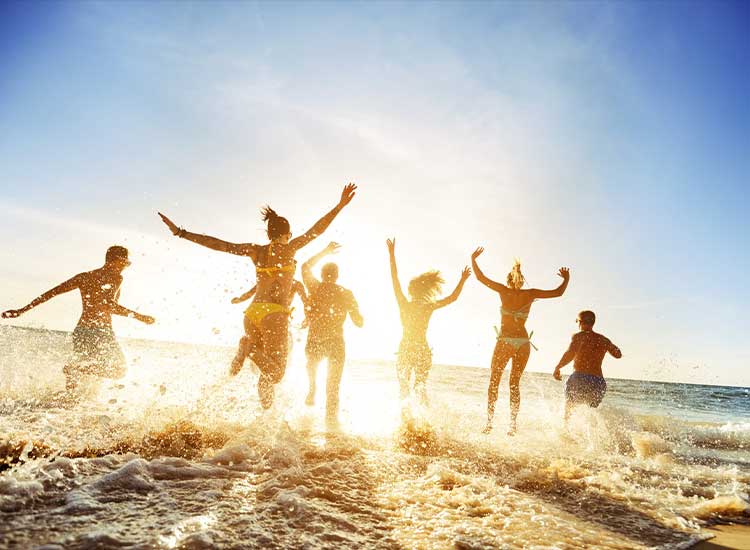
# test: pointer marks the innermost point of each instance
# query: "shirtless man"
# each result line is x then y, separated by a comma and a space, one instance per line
587, 350
245, 345
95, 350
328, 306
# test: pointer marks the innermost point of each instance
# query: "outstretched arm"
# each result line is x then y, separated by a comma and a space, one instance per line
240, 249
117, 309
400, 298
567, 357
455, 294
246, 296
62, 288
554, 293
322, 224
307, 274
481, 277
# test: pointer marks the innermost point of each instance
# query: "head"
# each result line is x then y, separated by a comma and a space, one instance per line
277, 227
117, 258
426, 287
329, 272
515, 278
586, 320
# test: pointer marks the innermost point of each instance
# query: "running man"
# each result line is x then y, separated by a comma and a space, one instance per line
587, 350
513, 341
244, 347
274, 267
95, 349
414, 353
329, 304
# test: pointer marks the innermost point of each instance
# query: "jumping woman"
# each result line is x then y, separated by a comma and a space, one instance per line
513, 342
268, 315
414, 353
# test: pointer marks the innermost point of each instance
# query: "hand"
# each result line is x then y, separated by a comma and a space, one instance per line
556, 375
466, 273
169, 223
391, 244
12, 313
477, 253
332, 248
347, 194
147, 319
564, 273
237, 300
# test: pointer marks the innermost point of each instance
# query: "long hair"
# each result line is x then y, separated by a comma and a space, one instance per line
276, 225
515, 278
426, 287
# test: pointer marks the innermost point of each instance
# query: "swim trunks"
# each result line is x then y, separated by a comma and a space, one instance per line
585, 388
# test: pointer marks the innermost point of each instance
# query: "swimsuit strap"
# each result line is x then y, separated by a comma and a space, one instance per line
276, 268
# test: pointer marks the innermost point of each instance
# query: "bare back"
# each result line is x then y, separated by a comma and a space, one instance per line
275, 266
590, 348
100, 290
415, 319
514, 310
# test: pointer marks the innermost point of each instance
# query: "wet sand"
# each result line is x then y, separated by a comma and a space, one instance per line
728, 537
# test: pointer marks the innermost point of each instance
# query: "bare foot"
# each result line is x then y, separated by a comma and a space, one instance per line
487, 428
235, 367
512, 429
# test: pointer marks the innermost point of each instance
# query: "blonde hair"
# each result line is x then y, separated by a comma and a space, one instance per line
515, 278
427, 286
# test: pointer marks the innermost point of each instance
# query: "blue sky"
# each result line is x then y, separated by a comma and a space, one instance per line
610, 137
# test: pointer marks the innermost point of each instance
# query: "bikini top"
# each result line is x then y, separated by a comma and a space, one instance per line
519, 314
292, 267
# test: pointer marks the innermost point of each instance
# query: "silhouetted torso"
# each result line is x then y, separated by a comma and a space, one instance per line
275, 286
100, 291
329, 305
590, 348
518, 301
415, 318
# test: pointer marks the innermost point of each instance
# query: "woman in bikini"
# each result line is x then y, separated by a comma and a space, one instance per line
513, 342
268, 315
414, 353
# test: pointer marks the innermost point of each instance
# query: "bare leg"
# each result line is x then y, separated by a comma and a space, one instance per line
421, 371
520, 359
336, 360
313, 360
243, 349
271, 355
403, 370
500, 357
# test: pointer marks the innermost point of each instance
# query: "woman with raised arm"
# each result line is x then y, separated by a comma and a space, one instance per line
513, 342
268, 315
414, 353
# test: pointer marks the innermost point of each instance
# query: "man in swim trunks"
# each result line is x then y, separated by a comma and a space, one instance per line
245, 345
587, 350
95, 349
329, 304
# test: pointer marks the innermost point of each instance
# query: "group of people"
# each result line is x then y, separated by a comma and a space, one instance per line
327, 306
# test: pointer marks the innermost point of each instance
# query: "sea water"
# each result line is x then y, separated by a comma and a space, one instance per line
179, 455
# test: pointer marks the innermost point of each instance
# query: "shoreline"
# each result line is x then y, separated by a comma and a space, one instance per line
726, 537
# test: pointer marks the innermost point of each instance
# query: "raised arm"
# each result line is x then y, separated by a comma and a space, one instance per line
354, 313
322, 224
246, 296
567, 357
554, 293
239, 249
62, 288
307, 275
455, 294
481, 277
400, 298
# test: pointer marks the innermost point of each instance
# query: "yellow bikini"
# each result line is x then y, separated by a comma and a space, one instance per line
257, 311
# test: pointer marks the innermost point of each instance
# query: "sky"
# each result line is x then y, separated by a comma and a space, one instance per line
612, 138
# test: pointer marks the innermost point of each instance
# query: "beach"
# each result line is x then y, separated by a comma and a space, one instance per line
177, 454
